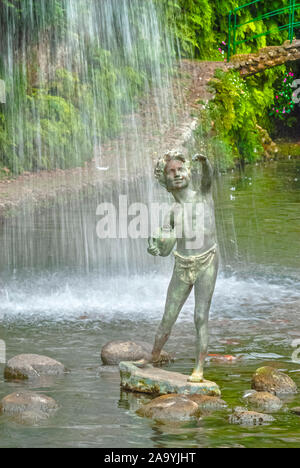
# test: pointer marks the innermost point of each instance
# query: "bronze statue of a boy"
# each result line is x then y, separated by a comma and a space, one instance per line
196, 266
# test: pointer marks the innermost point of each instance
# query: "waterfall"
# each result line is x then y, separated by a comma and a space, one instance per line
89, 97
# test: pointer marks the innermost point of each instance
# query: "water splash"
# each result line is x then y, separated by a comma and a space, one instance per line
141, 299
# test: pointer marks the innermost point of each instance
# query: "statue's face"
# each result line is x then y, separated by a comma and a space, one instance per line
177, 176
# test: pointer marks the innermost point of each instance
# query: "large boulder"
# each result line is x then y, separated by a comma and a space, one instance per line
249, 418
264, 401
28, 406
32, 366
127, 351
170, 409
268, 379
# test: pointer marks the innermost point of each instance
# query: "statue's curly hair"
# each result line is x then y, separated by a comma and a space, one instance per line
163, 161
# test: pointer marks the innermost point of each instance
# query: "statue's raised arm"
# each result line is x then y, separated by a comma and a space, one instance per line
203, 180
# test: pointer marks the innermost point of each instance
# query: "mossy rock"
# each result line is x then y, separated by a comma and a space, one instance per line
268, 379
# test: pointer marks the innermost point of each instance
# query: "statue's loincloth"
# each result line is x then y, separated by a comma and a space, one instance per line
189, 268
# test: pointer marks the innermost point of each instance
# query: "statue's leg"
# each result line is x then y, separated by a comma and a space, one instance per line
178, 293
204, 289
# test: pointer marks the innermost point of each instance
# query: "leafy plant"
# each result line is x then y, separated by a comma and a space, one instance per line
201, 26
239, 107
284, 104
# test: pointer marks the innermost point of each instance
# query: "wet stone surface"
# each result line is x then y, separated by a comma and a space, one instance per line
208, 403
28, 407
156, 381
296, 410
263, 401
117, 351
171, 408
32, 366
249, 418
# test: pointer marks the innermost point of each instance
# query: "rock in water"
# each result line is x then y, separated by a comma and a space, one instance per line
30, 407
170, 408
32, 366
31, 417
117, 351
264, 401
157, 381
208, 403
268, 379
249, 418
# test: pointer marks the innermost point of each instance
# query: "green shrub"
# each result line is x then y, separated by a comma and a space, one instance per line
201, 26
238, 108
55, 126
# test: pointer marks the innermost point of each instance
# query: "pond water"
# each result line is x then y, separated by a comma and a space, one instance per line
69, 314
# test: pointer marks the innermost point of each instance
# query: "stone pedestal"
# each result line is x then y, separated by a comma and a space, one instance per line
153, 380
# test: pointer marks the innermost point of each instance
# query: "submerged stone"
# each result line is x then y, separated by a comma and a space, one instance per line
118, 351
28, 406
170, 408
264, 401
226, 359
32, 366
268, 379
208, 403
249, 418
157, 381
31, 417
296, 410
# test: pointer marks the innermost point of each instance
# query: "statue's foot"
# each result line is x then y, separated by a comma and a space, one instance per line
196, 377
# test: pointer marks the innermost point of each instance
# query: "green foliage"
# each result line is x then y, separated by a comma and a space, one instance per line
50, 142
238, 108
5, 144
200, 26
37, 130
28, 18
289, 149
284, 105
55, 125
191, 22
